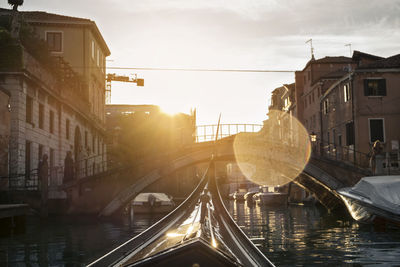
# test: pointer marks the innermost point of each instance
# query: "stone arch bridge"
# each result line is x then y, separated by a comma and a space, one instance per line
321, 177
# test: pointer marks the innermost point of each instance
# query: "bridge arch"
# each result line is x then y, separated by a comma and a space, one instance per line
319, 182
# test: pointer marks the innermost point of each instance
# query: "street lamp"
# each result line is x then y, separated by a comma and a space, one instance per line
313, 137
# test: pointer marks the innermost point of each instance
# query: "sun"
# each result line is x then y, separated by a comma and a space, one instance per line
171, 108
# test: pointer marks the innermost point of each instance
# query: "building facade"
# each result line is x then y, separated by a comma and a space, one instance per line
57, 104
346, 104
79, 42
282, 113
311, 83
5, 131
362, 107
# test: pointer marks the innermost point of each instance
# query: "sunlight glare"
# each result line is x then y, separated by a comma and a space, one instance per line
214, 243
172, 235
171, 108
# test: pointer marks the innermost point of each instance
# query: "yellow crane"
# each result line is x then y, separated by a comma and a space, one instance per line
119, 78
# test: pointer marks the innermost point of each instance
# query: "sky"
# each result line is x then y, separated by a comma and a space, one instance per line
234, 34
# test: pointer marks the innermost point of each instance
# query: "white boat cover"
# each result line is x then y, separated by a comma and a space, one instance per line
383, 191
144, 197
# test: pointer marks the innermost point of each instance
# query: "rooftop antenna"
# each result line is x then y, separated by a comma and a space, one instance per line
349, 45
312, 48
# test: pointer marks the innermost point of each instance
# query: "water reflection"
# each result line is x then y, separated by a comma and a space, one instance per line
67, 241
303, 235
294, 235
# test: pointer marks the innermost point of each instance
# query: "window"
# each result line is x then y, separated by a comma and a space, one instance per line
92, 49
340, 139
328, 138
51, 159
326, 106
349, 133
41, 116
103, 63
305, 102
376, 130
312, 96
374, 87
51, 122
29, 105
86, 138
334, 137
40, 152
67, 129
93, 142
309, 99
98, 57
27, 159
346, 92
54, 41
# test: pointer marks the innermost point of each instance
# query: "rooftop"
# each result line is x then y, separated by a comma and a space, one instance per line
329, 60
386, 63
41, 17
357, 55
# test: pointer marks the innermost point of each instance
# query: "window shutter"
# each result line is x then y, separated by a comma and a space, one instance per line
382, 87
366, 91
350, 133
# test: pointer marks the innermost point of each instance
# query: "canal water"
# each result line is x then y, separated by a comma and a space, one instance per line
296, 235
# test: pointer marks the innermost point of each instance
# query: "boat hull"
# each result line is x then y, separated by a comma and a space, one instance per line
272, 199
363, 210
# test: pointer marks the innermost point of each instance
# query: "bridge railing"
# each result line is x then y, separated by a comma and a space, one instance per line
341, 153
385, 163
205, 133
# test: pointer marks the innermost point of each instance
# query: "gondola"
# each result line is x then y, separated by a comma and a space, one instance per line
199, 232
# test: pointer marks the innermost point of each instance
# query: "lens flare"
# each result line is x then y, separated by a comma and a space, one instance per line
277, 154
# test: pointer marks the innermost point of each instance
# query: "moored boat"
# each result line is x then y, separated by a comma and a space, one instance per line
374, 199
270, 197
152, 203
249, 195
239, 195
